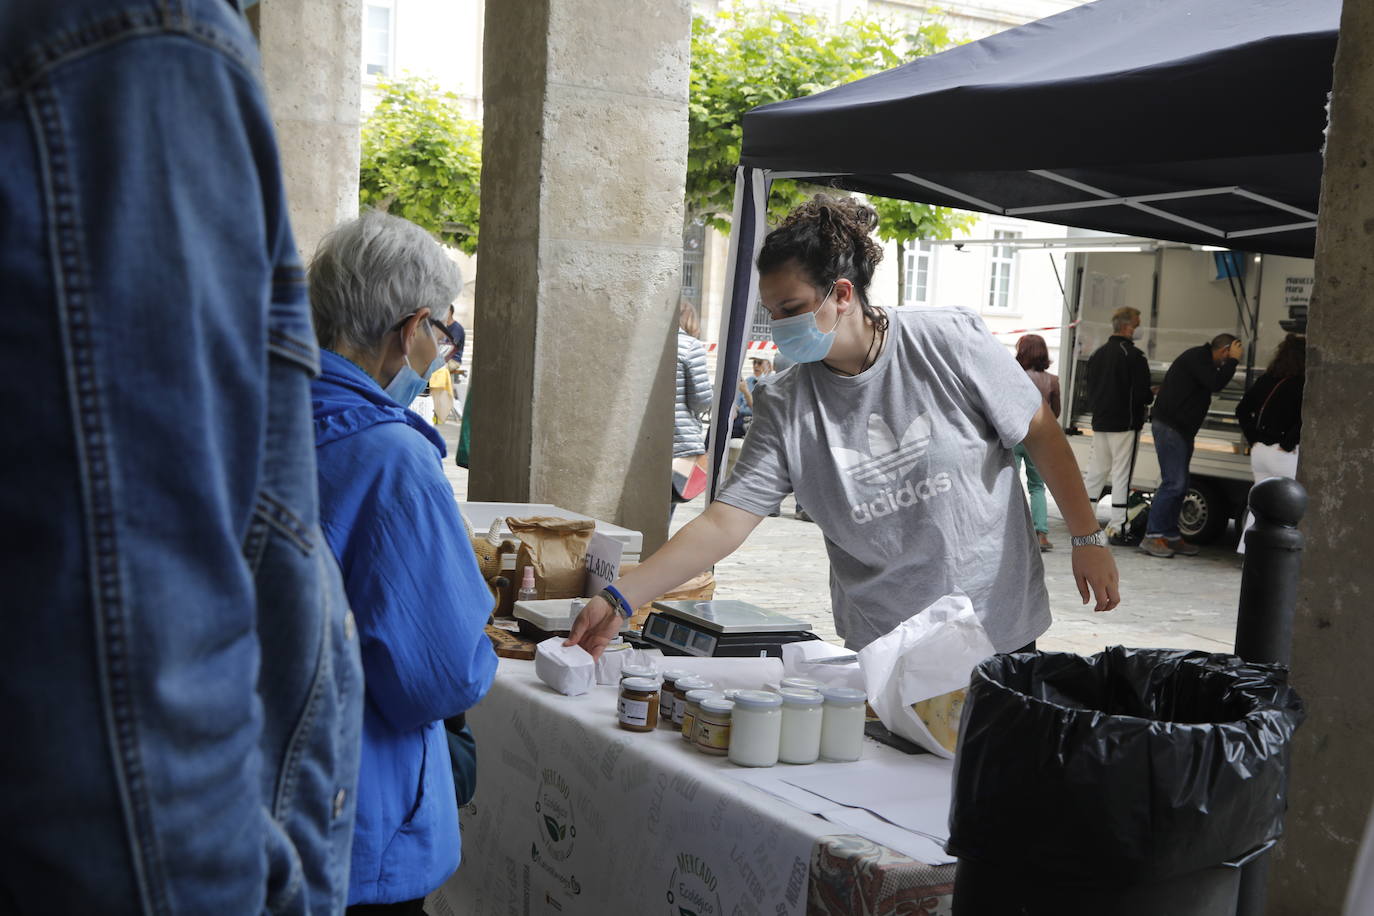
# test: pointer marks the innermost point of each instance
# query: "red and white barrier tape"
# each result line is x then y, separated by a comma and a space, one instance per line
1053, 327
757, 349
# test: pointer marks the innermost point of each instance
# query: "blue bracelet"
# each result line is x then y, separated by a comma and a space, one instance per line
621, 605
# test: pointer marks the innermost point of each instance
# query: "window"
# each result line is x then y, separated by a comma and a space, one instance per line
378, 37
917, 282
1000, 272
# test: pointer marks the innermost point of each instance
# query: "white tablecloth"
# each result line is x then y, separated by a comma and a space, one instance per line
575, 815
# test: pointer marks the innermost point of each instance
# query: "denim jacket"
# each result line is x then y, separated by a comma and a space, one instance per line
179, 673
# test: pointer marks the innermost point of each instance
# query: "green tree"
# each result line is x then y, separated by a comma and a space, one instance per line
745, 57
422, 159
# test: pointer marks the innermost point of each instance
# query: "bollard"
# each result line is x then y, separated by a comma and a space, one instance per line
1264, 621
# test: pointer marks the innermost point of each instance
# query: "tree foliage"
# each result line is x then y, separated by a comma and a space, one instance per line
422, 160
743, 57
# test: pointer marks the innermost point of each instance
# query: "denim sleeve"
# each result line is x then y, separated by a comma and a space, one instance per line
422, 609
144, 226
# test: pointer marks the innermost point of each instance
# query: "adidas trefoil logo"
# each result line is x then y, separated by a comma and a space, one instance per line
889, 460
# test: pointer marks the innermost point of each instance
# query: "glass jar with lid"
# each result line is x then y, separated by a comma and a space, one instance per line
668, 696
802, 683
842, 723
692, 700
757, 728
802, 714
680, 689
638, 706
713, 725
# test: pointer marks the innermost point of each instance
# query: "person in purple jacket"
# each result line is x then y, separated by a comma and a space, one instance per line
388, 514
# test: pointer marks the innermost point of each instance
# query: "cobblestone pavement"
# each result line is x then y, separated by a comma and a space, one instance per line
1176, 603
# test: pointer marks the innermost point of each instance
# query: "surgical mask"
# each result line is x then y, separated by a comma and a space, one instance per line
407, 384
800, 339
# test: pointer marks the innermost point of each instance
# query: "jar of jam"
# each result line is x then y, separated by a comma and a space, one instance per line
713, 726
638, 705
680, 691
668, 697
693, 700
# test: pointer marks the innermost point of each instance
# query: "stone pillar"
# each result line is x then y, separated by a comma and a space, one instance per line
583, 165
312, 68
1332, 783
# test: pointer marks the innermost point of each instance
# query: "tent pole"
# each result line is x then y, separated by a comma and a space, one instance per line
747, 227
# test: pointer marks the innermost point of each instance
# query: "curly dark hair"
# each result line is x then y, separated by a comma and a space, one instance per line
1290, 359
1032, 353
829, 238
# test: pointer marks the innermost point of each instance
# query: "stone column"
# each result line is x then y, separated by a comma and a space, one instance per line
1332, 783
312, 68
583, 166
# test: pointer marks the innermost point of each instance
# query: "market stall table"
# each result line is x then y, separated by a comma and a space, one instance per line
576, 815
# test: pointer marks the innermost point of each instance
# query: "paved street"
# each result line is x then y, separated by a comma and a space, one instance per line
1180, 602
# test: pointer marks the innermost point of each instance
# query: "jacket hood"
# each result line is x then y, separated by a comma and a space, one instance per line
346, 400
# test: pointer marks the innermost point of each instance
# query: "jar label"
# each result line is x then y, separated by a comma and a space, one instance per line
667, 705
713, 734
634, 712
688, 726
679, 712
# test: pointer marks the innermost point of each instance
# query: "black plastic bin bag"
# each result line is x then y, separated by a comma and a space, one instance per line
1127, 767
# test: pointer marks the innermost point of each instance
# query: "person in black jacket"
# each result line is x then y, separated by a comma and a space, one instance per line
1197, 374
1270, 415
1118, 392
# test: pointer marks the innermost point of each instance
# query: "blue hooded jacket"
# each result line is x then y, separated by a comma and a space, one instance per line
421, 606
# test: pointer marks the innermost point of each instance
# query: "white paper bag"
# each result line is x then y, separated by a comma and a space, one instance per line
568, 669
927, 655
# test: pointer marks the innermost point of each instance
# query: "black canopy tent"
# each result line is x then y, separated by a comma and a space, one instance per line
1190, 120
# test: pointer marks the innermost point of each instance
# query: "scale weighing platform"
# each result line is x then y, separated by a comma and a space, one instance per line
721, 629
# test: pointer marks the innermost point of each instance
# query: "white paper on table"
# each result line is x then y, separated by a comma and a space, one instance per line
919, 846
926, 655
739, 673
795, 654
911, 792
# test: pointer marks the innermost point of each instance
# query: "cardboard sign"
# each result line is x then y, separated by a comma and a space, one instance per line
603, 562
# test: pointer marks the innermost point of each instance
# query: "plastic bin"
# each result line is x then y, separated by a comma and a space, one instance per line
1135, 781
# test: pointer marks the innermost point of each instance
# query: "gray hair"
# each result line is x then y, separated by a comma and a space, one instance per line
370, 273
1124, 316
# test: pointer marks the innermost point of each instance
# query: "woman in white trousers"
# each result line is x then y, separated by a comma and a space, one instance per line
1270, 415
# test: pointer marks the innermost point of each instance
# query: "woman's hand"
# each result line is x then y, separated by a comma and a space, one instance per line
1095, 568
595, 627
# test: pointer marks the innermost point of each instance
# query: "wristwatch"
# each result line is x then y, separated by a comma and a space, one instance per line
1097, 539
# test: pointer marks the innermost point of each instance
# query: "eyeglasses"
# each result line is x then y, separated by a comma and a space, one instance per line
442, 340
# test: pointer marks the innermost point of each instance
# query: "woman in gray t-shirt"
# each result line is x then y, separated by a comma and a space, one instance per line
895, 431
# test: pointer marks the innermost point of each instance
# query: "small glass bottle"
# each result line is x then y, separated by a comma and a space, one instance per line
802, 714
693, 700
668, 696
638, 705
713, 726
757, 728
527, 590
842, 725
680, 689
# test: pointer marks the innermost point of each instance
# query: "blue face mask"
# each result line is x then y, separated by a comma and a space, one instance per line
800, 339
407, 384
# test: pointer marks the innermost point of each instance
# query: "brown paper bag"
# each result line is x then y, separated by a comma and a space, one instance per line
701, 587
557, 549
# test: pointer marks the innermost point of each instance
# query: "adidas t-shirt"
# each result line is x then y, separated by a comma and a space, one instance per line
907, 469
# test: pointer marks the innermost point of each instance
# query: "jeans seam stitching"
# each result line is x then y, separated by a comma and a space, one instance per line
276, 514
68, 44
109, 618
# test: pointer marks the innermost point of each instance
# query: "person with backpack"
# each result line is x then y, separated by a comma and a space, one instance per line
1270, 416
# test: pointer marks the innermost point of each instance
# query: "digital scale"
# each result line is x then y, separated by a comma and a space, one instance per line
721, 629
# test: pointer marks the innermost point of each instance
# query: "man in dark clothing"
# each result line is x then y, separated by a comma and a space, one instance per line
1118, 392
1194, 377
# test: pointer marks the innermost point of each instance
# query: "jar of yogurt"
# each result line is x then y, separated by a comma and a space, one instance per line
802, 714
757, 729
842, 723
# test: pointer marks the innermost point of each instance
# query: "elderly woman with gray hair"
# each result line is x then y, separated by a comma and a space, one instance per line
376, 286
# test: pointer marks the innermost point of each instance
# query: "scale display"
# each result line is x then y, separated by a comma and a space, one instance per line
721, 628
